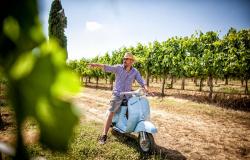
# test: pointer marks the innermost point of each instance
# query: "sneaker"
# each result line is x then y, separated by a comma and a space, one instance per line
102, 139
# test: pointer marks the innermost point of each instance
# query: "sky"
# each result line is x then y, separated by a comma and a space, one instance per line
99, 26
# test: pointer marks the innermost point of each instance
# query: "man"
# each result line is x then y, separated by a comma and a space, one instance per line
125, 74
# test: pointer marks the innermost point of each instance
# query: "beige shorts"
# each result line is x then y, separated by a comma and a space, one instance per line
115, 103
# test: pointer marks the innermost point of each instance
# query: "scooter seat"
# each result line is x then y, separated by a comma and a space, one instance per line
124, 102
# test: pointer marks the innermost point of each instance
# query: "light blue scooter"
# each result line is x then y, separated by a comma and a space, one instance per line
135, 117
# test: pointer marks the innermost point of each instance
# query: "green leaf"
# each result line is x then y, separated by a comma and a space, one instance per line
63, 87
23, 66
42, 92
56, 131
11, 28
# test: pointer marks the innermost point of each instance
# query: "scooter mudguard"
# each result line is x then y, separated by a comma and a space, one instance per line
145, 126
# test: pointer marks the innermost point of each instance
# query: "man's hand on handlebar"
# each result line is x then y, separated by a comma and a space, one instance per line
146, 90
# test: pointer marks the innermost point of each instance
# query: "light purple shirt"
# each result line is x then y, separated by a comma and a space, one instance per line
124, 79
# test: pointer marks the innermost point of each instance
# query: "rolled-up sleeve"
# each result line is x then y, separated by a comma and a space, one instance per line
139, 79
108, 68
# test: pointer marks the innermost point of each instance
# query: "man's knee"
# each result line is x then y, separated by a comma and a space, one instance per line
111, 114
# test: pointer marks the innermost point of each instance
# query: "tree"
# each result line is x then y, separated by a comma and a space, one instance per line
144, 62
163, 65
244, 55
178, 53
105, 60
231, 45
96, 72
57, 23
209, 55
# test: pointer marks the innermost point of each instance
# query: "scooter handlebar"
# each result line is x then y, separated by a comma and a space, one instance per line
138, 92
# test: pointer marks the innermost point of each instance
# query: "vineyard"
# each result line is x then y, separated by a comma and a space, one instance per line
45, 113
203, 58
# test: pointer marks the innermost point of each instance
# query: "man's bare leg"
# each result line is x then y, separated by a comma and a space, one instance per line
102, 139
108, 123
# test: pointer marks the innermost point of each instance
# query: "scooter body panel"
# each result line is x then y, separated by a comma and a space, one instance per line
138, 117
138, 110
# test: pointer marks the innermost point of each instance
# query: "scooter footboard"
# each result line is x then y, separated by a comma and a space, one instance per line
145, 126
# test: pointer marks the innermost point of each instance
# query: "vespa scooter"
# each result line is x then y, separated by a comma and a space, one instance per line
134, 117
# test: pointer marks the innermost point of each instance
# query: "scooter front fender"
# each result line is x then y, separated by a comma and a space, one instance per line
145, 126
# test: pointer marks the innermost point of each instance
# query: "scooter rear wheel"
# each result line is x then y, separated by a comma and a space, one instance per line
147, 145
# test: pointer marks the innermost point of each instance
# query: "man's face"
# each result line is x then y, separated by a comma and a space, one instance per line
127, 62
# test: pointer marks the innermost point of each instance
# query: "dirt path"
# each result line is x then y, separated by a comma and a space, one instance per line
187, 130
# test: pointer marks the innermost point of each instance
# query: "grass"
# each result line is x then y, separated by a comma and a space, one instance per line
85, 146
231, 90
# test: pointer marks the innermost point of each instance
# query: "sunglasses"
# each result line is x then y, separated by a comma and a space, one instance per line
126, 59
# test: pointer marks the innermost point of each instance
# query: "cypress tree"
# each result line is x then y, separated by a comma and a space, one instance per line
57, 23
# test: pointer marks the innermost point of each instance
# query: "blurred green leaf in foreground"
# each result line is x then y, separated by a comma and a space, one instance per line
38, 79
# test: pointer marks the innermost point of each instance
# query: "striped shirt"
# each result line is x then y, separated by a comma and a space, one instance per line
123, 78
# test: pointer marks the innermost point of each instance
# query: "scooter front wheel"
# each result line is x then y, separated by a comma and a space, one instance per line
146, 142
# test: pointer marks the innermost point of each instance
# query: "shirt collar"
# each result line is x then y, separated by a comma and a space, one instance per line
130, 69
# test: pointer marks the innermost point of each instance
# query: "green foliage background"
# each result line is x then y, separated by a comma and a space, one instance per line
201, 56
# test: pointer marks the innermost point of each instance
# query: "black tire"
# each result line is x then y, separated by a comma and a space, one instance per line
149, 147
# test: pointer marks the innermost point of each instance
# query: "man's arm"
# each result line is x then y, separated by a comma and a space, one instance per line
95, 65
139, 79
104, 67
